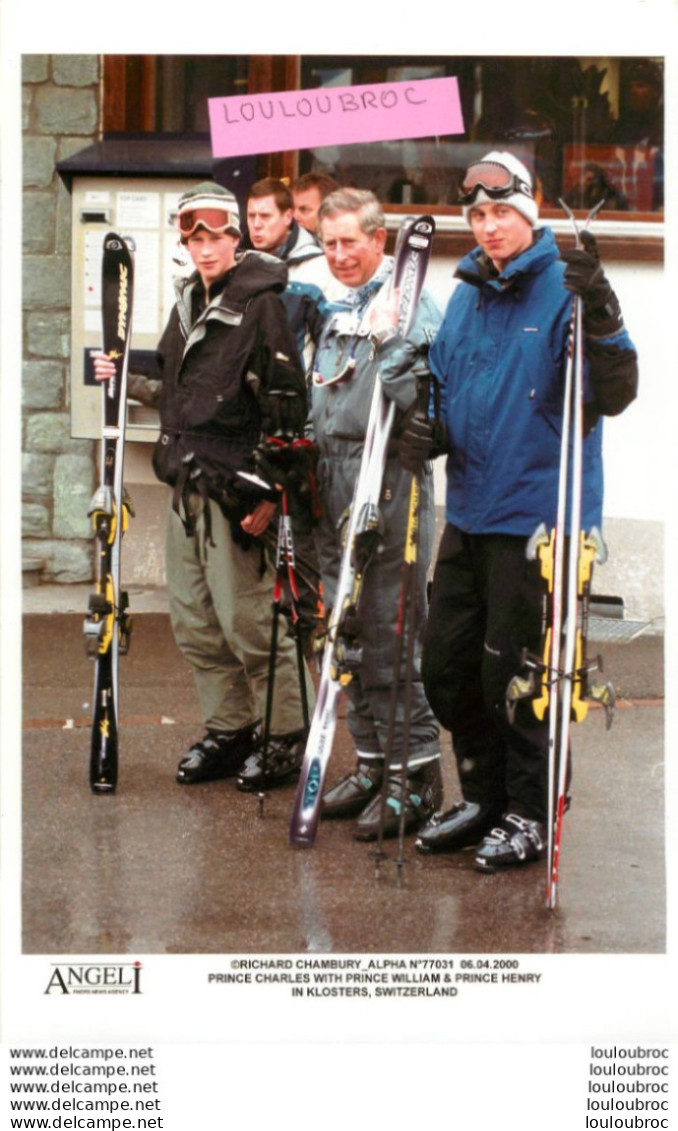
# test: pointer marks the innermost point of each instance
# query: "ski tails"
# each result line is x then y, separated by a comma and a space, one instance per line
107, 623
342, 648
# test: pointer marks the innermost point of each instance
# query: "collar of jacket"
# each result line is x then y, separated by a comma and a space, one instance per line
254, 273
299, 246
475, 268
356, 299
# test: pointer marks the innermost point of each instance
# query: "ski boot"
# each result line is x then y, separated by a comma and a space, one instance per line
220, 754
462, 826
351, 794
423, 795
516, 840
283, 762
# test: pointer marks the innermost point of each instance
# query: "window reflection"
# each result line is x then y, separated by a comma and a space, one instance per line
587, 128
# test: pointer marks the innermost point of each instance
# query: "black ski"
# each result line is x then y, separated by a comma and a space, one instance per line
107, 623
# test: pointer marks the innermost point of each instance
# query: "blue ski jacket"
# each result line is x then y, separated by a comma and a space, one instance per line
500, 359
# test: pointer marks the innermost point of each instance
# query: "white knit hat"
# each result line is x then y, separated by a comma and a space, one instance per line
522, 200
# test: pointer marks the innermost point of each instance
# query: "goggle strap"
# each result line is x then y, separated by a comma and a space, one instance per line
495, 192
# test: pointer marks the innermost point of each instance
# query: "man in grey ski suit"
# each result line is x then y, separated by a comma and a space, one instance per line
357, 348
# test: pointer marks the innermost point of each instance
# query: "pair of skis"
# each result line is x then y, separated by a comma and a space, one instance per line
558, 680
342, 649
108, 623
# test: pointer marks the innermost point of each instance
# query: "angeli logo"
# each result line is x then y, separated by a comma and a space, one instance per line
95, 978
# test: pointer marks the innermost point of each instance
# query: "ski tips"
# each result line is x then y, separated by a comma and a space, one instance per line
416, 232
114, 242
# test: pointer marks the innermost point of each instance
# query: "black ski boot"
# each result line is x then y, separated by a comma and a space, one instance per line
220, 754
351, 794
516, 840
283, 762
462, 826
423, 795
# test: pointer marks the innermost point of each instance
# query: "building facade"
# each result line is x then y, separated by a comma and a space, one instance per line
585, 126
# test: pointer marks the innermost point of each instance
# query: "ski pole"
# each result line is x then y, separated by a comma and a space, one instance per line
290, 562
284, 570
272, 657
403, 604
565, 592
410, 620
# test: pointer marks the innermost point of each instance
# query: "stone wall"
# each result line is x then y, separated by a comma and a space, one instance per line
61, 114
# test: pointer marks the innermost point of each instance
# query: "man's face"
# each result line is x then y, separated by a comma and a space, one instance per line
353, 256
501, 231
268, 226
306, 205
213, 253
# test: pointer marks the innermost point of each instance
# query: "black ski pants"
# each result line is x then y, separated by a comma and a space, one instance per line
486, 606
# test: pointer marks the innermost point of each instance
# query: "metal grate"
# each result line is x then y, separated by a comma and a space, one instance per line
616, 630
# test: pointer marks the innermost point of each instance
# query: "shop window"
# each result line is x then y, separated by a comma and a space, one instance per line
586, 128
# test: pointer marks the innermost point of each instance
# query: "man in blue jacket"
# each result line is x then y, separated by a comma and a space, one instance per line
500, 359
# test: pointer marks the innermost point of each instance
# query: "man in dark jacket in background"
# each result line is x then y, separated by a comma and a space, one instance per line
309, 190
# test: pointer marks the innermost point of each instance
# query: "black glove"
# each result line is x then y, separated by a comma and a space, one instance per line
584, 276
417, 441
283, 413
292, 466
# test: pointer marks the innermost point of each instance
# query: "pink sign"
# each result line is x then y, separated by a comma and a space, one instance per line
334, 115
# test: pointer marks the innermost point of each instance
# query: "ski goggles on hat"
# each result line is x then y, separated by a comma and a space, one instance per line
214, 219
495, 180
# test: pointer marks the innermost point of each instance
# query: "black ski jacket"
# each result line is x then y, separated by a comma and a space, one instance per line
226, 373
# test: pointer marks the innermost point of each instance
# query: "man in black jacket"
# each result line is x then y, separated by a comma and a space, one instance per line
228, 373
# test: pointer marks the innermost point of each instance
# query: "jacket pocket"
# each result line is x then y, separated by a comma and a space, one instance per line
165, 459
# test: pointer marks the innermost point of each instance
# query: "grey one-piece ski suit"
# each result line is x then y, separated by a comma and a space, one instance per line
339, 414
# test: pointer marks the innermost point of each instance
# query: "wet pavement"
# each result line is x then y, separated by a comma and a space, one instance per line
163, 868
